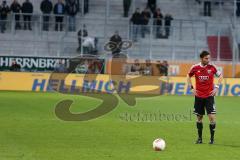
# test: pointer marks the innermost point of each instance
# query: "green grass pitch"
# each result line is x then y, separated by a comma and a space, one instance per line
29, 130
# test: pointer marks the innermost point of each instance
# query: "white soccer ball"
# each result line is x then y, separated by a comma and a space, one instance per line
159, 144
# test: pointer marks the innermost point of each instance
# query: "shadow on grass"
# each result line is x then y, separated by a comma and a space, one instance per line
227, 145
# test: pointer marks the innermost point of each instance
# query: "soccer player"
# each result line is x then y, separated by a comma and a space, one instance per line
204, 92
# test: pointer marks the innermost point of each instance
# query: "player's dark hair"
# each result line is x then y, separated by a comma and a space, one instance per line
204, 54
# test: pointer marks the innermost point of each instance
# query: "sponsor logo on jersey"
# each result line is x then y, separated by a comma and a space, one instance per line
203, 78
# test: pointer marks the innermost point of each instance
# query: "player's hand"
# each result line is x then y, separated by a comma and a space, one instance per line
195, 92
214, 91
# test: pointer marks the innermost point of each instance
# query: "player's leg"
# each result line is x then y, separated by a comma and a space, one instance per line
199, 111
211, 111
199, 125
212, 127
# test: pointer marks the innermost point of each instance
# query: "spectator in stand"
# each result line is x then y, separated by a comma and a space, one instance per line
146, 15
15, 67
126, 7
136, 68
46, 8
148, 70
207, 7
152, 4
158, 17
60, 67
88, 45
199, 1
168, 20
72, 10
59, 10
4, 10
238, 8
117, 41
81, 34
86, 6
27, 10
136, 21
16, 9
82, 68
163, 68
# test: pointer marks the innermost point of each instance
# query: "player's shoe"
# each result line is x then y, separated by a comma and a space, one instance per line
211, 141
199, 141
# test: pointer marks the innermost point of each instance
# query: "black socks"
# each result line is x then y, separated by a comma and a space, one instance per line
212, 127
200, 128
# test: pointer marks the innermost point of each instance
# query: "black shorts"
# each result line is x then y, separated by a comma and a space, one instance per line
201, 104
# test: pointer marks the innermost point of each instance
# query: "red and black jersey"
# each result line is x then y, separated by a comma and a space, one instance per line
204, 76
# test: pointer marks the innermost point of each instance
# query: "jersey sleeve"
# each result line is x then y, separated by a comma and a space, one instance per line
191, 72
216, 72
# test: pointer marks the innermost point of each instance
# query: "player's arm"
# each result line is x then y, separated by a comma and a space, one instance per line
189, 81
219, 82
220, 79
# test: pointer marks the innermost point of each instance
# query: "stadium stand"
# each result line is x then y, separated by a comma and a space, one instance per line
190, 31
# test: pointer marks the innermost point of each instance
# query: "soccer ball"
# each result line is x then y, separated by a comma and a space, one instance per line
159, 144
